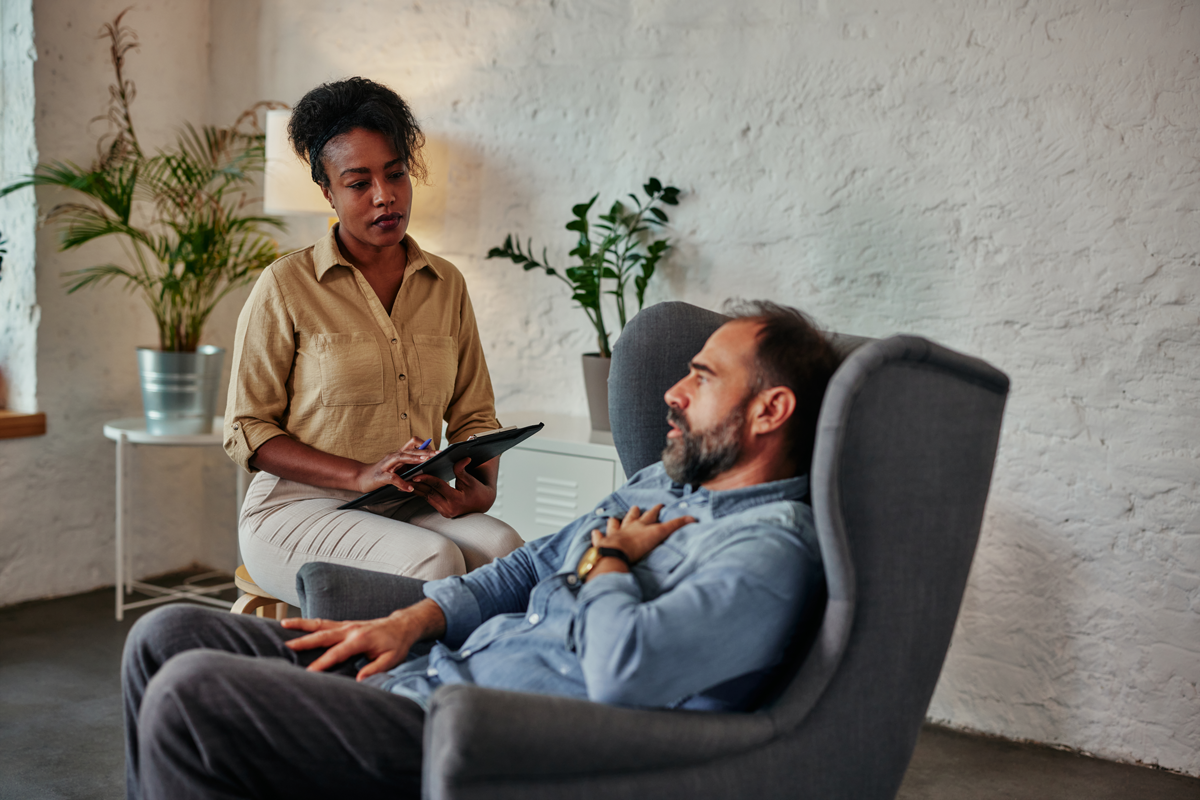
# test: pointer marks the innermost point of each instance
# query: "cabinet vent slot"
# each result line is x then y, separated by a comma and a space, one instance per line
544, 492
558, 482
563, 512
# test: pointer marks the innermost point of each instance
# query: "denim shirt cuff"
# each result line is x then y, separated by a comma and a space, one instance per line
458, 604
610, 582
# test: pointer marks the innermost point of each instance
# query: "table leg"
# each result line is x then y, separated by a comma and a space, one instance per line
119, 588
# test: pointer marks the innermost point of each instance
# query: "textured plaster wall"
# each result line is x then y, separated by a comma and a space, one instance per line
1020, 183
57, 491
18, 153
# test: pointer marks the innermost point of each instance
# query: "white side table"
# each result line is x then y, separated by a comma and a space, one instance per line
554, 477
131, 431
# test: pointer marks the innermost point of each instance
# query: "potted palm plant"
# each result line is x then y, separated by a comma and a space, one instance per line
184, 221
614, 253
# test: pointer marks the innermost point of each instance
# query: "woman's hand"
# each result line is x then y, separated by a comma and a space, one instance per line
383, 471
470, 493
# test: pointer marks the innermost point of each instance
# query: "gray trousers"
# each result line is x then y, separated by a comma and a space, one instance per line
217, 707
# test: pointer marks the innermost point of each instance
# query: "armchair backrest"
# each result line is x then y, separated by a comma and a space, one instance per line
903, 459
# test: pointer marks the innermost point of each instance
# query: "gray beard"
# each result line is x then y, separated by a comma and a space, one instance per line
696, 458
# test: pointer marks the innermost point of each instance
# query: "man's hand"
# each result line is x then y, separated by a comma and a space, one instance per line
470, 492
635, 536
385, 641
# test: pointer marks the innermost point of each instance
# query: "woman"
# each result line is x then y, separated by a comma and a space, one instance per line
348, 356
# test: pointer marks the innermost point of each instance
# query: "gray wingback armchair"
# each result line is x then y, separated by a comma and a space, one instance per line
902, 463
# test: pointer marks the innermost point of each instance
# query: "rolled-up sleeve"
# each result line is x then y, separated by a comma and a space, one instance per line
730, 617
263, 350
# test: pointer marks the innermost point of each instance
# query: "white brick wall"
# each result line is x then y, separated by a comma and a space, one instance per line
1021, 184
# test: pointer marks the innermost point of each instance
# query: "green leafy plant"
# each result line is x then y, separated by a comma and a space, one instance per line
613, 252
180, 214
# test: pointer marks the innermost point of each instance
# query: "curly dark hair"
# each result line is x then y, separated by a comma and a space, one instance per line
334, 108
792, 352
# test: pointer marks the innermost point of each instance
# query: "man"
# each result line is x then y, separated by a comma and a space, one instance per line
680, 590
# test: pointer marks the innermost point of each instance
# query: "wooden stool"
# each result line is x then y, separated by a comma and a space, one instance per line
256, 600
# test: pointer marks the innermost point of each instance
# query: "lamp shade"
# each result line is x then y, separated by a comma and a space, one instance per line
288, 186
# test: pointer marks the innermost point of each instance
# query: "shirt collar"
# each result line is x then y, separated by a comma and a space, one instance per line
326, 255
733, 501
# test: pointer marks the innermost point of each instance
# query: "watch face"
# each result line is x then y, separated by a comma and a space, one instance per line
590, 557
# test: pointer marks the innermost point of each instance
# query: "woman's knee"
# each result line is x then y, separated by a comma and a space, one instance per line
442, 559
484, 538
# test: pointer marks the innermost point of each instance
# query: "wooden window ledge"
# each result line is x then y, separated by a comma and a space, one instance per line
14, 425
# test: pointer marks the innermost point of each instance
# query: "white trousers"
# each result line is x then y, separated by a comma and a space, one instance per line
285, 524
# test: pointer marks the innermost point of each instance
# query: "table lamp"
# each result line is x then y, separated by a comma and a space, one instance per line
288, 186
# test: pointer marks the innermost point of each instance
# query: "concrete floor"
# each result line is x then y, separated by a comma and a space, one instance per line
60, 726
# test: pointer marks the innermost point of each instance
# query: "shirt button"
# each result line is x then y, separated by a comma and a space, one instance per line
599, 511
402, 376
683, 503
533, 619
404, 416
235, 426
572, 579
431, 672
393, 341
465, 653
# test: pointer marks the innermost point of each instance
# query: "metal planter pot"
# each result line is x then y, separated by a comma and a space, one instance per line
595, 381
179, 390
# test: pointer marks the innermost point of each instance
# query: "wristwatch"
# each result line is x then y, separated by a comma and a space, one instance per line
592, 556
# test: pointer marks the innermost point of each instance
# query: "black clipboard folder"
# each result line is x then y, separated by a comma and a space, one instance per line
481, 448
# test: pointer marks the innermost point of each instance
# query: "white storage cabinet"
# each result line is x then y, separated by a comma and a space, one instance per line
555, 476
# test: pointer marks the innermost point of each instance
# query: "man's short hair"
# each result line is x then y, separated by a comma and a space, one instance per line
792, 352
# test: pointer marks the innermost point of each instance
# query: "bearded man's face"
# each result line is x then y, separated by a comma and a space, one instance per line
699, 456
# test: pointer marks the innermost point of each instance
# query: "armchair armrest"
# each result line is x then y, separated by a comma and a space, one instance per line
334, 591
473, 734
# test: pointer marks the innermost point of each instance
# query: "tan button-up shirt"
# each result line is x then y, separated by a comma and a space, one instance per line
318, 358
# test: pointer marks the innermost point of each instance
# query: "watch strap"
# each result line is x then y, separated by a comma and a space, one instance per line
612, 552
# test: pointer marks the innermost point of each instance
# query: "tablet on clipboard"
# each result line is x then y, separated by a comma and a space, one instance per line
480, 448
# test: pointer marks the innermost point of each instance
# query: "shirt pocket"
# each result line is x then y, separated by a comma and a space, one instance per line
662, 560
438, 360
351, 369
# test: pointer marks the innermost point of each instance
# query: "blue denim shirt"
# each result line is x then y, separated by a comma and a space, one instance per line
698, 623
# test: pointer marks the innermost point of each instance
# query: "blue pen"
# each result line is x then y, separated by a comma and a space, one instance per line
427, 441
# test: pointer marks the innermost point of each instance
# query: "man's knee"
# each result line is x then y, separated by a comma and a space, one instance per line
187, 684
162, 633
162, 622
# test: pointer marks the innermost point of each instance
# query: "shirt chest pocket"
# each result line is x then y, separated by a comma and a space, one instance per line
351, 369
662, 560
438, 360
